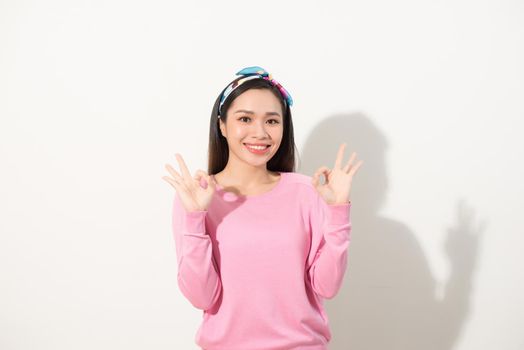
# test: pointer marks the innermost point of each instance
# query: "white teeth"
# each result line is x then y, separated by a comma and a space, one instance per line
257, 147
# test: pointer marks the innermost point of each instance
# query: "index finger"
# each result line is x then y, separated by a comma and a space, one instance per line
183, 167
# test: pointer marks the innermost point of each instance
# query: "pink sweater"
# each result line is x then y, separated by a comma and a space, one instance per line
260, 266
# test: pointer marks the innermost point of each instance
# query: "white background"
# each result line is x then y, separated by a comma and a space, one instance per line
96, 96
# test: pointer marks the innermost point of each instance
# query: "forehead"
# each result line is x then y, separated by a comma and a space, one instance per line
257, 100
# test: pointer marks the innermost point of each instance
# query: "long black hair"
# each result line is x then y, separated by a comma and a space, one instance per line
218, 150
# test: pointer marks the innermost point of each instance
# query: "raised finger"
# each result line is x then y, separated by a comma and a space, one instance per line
171, 182
174, 173
351, 159
183, 166
340, 156
355, 168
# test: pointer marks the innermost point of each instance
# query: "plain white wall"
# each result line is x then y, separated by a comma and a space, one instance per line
96, 96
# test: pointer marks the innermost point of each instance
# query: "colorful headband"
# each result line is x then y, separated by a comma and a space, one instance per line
250, 73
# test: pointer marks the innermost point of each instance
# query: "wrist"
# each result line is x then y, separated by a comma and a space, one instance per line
340, 201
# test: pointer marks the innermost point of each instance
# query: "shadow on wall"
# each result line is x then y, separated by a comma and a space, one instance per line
388, 299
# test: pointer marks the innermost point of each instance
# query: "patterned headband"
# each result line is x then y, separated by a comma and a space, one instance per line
250, 73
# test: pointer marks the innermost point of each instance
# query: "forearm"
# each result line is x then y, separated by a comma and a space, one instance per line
198, 276
328, 269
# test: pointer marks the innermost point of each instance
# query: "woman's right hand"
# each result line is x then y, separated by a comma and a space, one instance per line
192, 195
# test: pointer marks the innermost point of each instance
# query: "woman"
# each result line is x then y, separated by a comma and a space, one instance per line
258, 245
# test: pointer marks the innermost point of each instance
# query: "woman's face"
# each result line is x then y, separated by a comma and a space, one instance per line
254, 117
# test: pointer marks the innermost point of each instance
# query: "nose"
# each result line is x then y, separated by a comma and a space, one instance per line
259, 129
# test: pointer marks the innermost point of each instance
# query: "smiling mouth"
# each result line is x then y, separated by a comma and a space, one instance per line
257, 150
260, 147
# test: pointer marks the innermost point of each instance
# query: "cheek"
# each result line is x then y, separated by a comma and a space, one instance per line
237, 132
277, 133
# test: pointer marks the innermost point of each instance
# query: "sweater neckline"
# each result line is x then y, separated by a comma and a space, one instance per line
272, 191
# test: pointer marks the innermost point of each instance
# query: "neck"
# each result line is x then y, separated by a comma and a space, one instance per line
245, 175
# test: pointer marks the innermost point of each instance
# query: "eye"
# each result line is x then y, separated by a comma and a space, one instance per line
274, 121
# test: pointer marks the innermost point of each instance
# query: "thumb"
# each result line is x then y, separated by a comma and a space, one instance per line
199, 176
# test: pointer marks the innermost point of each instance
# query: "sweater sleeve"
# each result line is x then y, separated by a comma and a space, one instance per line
330, 236
197, 276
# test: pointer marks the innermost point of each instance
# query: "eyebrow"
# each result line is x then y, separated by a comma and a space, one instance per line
251, 112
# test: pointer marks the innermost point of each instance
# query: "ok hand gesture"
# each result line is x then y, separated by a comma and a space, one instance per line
338, 180
192, 195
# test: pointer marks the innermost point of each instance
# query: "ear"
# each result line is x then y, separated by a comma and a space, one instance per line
222, 127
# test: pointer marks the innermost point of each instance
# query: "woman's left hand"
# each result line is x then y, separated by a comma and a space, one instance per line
338, 180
